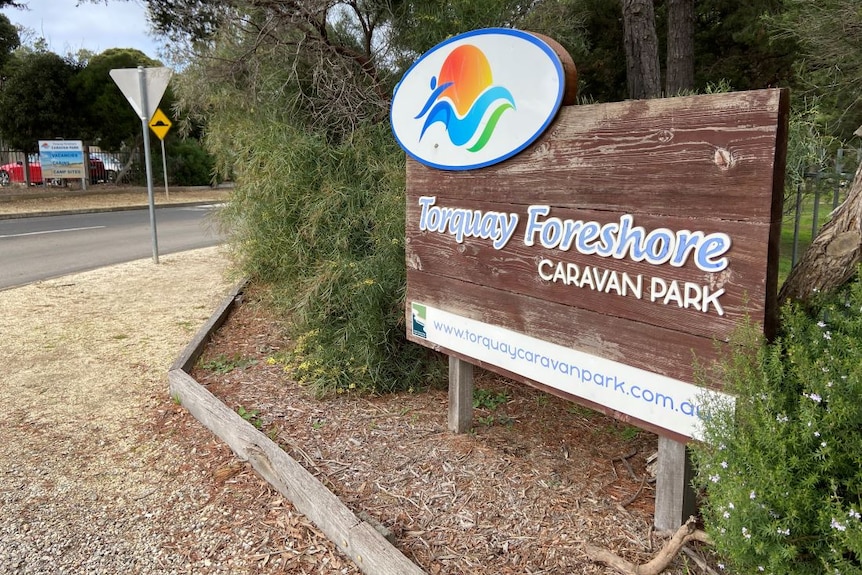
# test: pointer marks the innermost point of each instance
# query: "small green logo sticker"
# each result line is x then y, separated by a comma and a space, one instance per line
419, 314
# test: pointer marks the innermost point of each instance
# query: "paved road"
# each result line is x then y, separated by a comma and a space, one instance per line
37, 248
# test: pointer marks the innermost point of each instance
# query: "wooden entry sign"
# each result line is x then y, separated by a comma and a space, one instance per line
598, 262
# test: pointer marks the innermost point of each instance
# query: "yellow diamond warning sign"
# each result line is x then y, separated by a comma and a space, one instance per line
160, 124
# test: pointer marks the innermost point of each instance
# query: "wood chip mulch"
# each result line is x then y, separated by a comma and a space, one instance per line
535, 480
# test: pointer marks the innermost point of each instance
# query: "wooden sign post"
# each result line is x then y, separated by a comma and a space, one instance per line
600, 260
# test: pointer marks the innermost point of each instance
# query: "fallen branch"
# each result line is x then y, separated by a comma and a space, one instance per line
687, 532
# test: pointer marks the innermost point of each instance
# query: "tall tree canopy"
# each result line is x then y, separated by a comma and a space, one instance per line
32, 110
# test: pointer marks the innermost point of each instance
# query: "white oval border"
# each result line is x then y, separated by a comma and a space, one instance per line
526, 94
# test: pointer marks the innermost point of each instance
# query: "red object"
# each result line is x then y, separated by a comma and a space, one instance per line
14, 173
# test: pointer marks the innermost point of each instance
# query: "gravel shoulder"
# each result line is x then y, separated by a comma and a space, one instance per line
99, 471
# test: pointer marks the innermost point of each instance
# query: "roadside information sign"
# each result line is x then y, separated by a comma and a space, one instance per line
62, 159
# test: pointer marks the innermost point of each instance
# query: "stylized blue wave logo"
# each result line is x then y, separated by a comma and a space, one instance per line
462, 95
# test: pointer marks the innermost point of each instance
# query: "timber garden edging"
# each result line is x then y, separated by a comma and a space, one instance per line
358, 539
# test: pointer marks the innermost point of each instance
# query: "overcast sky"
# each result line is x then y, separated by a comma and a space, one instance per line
95, 27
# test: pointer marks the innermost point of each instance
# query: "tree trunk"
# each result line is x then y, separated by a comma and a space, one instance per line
680, 46
832, 258
643, 71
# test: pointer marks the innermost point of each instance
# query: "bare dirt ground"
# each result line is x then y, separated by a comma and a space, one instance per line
101, 473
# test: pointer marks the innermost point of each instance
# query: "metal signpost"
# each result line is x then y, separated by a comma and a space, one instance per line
143, 88
160, 124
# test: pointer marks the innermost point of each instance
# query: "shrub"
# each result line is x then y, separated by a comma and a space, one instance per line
322, 225
783, 472
188, 163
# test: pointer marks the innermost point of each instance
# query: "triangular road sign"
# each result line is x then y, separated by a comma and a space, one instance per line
155, 82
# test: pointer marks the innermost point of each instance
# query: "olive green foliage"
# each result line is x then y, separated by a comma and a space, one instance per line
188, 163
810, 147
317, 214
322, 225
830, 56
782, 470
46, 96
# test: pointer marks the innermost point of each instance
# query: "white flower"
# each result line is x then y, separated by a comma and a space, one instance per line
752, 495
724, 464
726, 514
781, 418
822, 444
721, 566
760, 568
827, 335
784, 532
854, 514
836, 525
714, 478
816, 434
813, 397
821, 324
745, 533
730, 505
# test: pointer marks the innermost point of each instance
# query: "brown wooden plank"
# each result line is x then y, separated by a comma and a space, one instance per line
712, 164
371, 552
659, 350
186, 360
625, 417
675, 498
460, 395
662, 156
515, 269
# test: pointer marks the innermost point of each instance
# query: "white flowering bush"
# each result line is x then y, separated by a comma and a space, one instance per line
782, 473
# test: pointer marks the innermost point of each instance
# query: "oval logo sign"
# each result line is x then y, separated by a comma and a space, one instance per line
477, 99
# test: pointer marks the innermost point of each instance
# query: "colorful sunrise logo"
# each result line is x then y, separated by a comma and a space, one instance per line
477, 99
462, 94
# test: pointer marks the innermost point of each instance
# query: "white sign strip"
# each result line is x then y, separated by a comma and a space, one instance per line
662, 401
